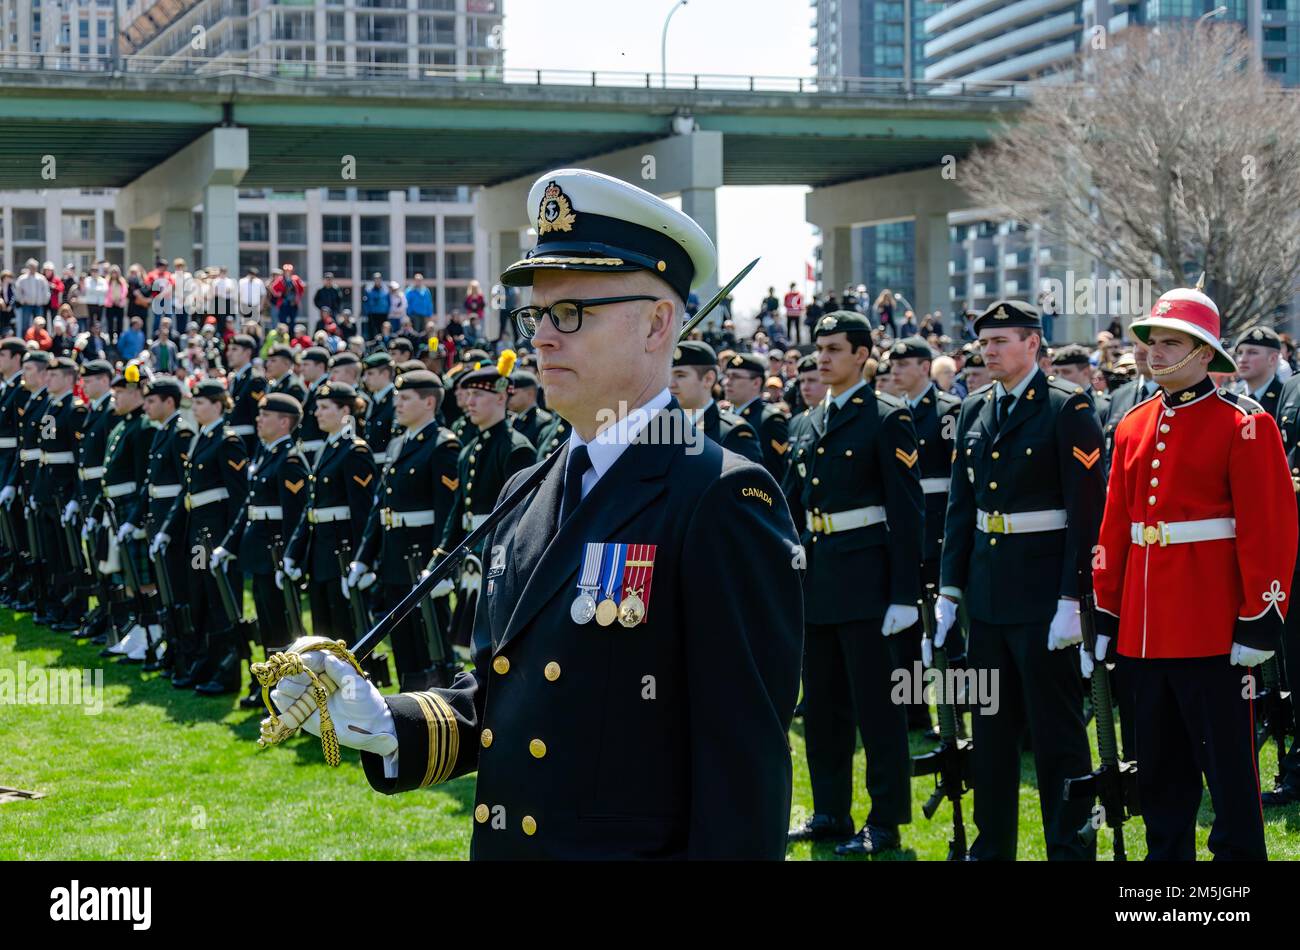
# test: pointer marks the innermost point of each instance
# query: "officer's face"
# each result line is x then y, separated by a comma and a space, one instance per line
910, 374
329, 415
689, 386
237, 356
741, 386
277, 366
1167, 348
34, 375
811, 387
1074, 373
522, 399
157, 408
312, 371
838, 363
125, 399
206, 410
345, 373
412, 407
59, 382
1006, 355
484, 408
976, 376
1256, 362
376, 379
272, 425
95, 386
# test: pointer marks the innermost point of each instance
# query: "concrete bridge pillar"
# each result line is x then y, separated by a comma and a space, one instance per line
139, 248
177, 237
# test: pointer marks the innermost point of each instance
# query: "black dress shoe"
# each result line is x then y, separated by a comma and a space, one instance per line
872, 839
1286, 795
821, 828
65, 626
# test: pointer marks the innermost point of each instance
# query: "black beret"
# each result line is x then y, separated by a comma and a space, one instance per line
808, 363
695, 353
97, 368
475, 356
244, 340
1009, 313
747, 362
487, 379
38, 356
378, 361
1260, 336
344, 393
401, 343
346, 358
282, 402
165, 386
912, 346
421, 380
11, 344
64, 363
281, 349
842, 321
524, 379
410, 366
317, 354
212, 389
883, 368
975, 358
1072, 354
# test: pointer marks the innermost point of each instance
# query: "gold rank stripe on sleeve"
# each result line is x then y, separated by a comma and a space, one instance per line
451, 483
907, 458
237, 466
780, 447
444, 737
294, 487
1087, 459
363, 482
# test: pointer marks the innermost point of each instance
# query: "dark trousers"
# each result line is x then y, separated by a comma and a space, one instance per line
58, 566
848, 690
272, 616
331, 616
1290, 765
1194, 718
410, 648
1040, 689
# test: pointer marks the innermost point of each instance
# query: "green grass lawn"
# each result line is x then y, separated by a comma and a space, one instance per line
163, 773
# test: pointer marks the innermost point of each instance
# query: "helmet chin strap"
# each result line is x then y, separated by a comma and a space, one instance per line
1180, 364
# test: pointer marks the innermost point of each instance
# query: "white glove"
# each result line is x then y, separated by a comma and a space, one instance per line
291, 570
159, 543
945, 615
1243, 655
361, 717
86, 526
31, 504
7, 495
1065, 630
1103, 644
442, 588
899, 617
927, 652
355, 571
1086, 662
279, 580
70, 509
124, 532
219, 556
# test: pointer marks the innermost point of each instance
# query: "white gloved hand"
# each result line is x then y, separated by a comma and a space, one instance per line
1065, 630
362, 719
279, 580
124, 532
927, 652
107, 522
291, 570
1103, 645
70, 509
7, 495
442, 588
899, 617
1243, 655
945, 615
355, 570
159, 543
218, 557
31, 504
86, 527
1086, 663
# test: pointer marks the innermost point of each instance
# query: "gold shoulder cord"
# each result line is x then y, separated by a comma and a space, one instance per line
280, 665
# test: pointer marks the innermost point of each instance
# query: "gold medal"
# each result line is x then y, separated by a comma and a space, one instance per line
606, 612
632, 611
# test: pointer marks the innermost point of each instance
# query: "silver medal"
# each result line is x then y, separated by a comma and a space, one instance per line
584, 608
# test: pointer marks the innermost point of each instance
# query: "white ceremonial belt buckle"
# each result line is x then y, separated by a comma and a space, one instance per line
471, 522
405, 519
327, 515
833, 522
29, 455
1021, 522
1164, 533
202, 498
164, 491
265, 513
8, 442
58, 458
92, 473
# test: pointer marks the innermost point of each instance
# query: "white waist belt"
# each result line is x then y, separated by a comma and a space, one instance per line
59, 458
315, 445
92, 473
265, 513
833, 522
405, 519
9, 442
1182, 532
29, 455
206, 498
326, 515
242, 430
120, 489
1020, 522
934, 486
164, 491
472, 521
381, 458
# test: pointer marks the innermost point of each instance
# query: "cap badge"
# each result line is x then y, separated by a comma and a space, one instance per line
1258, 334
737, 361
1001, 314
828, 323
900, 347
1163, 307
555, 212
677, 353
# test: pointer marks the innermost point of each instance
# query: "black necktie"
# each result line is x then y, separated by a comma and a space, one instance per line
831, 409
1004, 409
579, 462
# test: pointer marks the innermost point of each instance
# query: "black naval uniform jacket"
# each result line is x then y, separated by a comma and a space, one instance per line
126, 462
276, 479
531, 422
30, 414
56, 476
772, 427
246, 391
935, 420
12, 395
484, 466
420, 476
802, 437
308, 432
344, 475
166, 466
92, 449
1047, 456
552, 437
731, 431
866, 456
596, 742
1121, 401
379, 425
214, 459
289, 385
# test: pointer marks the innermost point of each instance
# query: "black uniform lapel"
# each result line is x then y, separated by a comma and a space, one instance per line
1030, 401
712, 422
849, 410
817, 418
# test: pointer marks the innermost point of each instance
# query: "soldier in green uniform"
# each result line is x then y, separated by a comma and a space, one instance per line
416, 495
314, 369
277, 477
743, 383
1023, 514
527, 417
280, 377
695, 373
345, 367
1125, 397
858, 484
483, 468
340, 496
1258, 351
16, 581
30, 407
92, 444
1072, 364
55, 486
378, 375
246, 388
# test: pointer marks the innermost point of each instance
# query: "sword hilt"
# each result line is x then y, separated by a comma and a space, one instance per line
281, 725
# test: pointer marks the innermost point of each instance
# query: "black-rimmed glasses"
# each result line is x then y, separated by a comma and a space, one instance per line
566, 315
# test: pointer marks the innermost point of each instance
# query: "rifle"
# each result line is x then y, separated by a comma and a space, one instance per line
279, 726
226, 591
128, 570
949, 761
292, 605
1113, 783
357, 604
428, 624
178, 621
1274, 706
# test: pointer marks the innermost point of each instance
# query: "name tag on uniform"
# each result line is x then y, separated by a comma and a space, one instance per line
497, 567
614, 583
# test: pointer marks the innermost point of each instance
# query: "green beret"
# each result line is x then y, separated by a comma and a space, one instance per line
166, 387
841, 321
1260, 336
212, 389
317, 354
378, 361
1009, 313
283, 403
97, 368
38, 356
747, 362
244, 340
808, 363
11, 344
342, 393
695, 353
346, 358
281, 350
421, 380
912, 346
1072, 354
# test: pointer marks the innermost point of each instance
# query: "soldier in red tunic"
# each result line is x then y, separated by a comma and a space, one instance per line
1192, 575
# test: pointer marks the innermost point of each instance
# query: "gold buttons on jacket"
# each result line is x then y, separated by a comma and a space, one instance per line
481, 813
1155, 482
821, 450
486, 738
1164, 428
992, 542
1151, 500
529, 824
501, 665
552, 671
1160, 446
1029, 451
1155, 463
538, 748
993, 485
817, 481
997, 455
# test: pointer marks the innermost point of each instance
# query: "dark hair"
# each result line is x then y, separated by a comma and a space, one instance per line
857, 338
